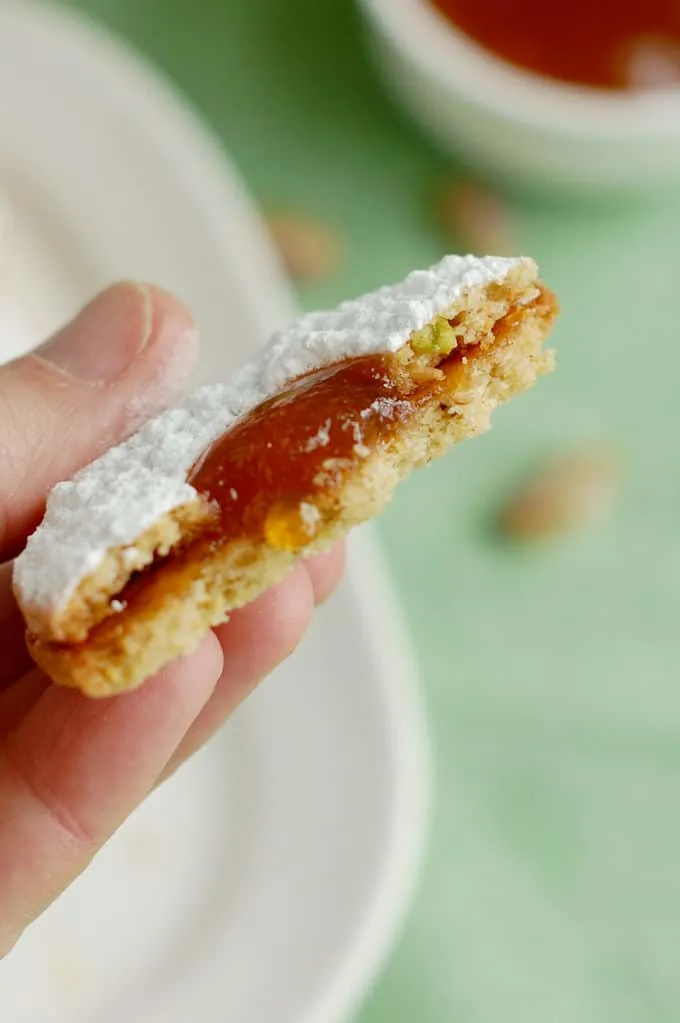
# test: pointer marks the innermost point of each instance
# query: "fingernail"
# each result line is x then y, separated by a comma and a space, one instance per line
169, 380
105, 337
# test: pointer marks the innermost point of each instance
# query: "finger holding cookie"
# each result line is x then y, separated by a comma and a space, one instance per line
72, 769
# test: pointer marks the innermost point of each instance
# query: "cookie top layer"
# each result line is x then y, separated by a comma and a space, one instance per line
122, 494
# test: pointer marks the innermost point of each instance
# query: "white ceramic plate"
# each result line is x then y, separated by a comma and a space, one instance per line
265, 882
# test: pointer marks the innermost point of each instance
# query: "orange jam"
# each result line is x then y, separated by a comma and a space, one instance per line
272, 471
610, 44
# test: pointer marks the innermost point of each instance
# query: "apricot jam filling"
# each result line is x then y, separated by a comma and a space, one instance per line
272, 472
609, 44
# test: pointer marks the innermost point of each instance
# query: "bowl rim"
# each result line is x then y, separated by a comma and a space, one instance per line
431, 42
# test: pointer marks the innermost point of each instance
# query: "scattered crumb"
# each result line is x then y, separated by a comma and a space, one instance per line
309, 248
117, 605
233, 494
477, 218
329, 470
310, 516
320, 438
387, 408
564, 493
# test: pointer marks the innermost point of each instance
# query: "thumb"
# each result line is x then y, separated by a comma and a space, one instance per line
121, 360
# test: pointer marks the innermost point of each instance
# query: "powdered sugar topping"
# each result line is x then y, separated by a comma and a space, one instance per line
121, 495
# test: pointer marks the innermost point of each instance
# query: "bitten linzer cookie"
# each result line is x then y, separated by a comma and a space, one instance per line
212, 502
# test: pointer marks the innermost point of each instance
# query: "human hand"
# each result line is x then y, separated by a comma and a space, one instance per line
72, 769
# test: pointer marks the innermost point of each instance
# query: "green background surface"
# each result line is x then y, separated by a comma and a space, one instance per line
551, 889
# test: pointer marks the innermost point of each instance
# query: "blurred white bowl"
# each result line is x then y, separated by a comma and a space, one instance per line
516, 124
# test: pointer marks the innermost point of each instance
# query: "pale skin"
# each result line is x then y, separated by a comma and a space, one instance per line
72, 769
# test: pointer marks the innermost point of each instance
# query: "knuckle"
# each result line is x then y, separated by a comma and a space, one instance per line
38, 789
